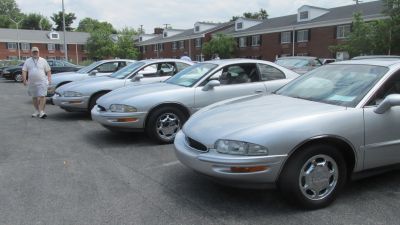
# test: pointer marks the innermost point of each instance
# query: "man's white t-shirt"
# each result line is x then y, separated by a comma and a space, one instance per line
36, 69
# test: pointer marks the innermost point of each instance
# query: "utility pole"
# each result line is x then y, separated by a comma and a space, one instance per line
65, 43
17, 25
141, 29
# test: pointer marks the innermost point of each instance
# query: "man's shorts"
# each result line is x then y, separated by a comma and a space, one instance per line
37, 90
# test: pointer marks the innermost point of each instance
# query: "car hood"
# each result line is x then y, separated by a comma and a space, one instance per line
231, 119
88, 84
61, 77
125, 95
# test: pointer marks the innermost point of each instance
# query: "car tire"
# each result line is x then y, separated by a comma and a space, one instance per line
164, 123
313, 176
18, 77
93, 100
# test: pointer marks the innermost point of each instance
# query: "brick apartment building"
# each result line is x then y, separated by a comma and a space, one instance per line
309, 32
50, 44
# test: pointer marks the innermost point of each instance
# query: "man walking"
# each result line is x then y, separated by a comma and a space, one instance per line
39, 77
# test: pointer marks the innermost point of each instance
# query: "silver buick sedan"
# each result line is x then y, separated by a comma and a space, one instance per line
82, 95
334, 123
96, 69
161, 109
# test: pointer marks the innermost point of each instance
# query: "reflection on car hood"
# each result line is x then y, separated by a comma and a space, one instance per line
61, 77
82, 85
229, 118
125, 94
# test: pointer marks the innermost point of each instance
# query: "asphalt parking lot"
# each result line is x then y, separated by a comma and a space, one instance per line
68, 169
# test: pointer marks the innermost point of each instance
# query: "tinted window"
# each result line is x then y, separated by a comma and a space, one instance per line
343, 85
268, 72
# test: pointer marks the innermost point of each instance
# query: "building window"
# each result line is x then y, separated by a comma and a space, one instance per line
302, 36
11, 45
182, 44
239, 25
25, 46
12, 57
174, 44
198, 42
165, 34
156, 47
197, 28
286, 37
256, 40
343, 31
304, 15
51, 47
161, 47
140, 39
242, 42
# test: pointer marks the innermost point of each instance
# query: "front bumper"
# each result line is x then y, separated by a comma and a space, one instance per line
218, 166
110, 119
7, 76
75, 104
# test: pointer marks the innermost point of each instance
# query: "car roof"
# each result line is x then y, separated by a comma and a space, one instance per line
117, 60
298, 57
238, 60
376, 57
165, 60
372, 61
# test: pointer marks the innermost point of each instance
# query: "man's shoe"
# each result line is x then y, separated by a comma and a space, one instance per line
35, 114
42, 115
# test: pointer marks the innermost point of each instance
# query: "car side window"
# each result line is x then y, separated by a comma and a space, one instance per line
391, 86
58, 64
107, 67
166, 69
149, 71
268, 72
237, 74
50, 63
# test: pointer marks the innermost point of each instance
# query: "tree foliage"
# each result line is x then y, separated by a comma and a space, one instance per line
260, 15
34, 21
220, 44
125, 47
58, 20
9, 9
90, 25
100, 44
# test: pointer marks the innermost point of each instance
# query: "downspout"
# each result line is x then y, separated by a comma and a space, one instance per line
293, 37
76, 50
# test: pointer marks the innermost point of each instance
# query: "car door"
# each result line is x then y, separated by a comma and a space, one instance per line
236, 80
272, 77
382, 131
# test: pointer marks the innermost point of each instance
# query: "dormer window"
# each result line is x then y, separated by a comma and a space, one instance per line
304, 15
197, 28
239, 25
140, 39
165, 34
54, 35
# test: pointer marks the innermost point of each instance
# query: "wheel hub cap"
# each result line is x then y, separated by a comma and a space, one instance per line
318, 177
168, 125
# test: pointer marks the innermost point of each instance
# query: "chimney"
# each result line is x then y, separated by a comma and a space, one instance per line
158, 30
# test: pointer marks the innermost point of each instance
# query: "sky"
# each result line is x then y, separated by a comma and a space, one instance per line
180, 14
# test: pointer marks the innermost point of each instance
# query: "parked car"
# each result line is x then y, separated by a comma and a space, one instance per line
96, 69
308, 138
57, 66
161, 109
327, 60
7, 63
82, 95
299, 64
381, 57
10, 72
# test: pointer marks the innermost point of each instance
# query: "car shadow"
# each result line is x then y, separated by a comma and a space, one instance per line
69, 116
107, 138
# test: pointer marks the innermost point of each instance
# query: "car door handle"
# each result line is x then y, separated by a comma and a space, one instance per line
258, 91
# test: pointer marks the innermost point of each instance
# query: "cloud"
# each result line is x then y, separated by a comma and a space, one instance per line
178, 13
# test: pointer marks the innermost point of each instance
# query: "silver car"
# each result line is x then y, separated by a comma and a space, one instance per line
299, 64
82, 95
308, 138
161, 109
96, 69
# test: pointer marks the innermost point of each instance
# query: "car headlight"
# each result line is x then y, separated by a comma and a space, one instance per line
122, 108
72, 94
239, 148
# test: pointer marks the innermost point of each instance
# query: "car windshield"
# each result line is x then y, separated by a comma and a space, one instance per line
127, 70
295, 63
189, 76
87, 69
69, 64
343, 85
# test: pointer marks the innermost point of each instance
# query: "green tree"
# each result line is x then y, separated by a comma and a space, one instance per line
392, 9
124, 47
58, 21
220, 44
100, 44
34, 21
9, 9
91, 25
260, 15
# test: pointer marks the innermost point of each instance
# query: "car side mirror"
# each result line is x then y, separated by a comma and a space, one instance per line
387, 103
211, 84
93, 72
137, 77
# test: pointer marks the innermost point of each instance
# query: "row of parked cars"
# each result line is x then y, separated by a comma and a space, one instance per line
253, 123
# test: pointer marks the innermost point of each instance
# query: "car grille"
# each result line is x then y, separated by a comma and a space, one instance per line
196, 145
102, 109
